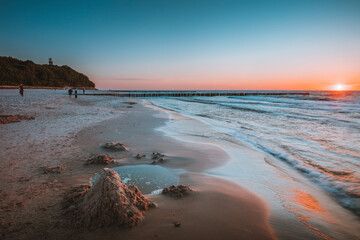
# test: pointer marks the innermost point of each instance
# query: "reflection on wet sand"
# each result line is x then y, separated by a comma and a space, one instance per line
304, 206
308, 202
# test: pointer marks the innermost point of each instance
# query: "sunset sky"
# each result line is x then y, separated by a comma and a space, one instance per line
183, 44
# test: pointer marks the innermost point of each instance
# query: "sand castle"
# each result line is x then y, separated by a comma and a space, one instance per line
108, 202
4, 119
99, 159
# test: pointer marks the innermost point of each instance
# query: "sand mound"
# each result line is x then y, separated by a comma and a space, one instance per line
100, 159
52, 169
177, 191
4, 119
130, 103
156, 155
140, 156
114, 146
108, 202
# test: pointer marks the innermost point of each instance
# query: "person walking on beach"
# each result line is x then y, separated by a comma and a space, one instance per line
21, 90
75, 93
83, 90
70, 92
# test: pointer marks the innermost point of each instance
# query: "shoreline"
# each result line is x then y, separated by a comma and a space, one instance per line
298, 209
41, 216
182, 155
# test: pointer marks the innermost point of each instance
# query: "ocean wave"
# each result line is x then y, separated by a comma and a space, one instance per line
330, 171
344, 96
312, 98
204, 115
345, 192
227, 106
339, 183
320, 134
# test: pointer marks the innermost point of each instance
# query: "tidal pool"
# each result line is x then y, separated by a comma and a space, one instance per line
148, 178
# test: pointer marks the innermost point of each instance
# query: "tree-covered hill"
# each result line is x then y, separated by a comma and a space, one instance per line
14, 72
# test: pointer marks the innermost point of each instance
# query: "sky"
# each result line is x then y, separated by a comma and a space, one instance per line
191, 44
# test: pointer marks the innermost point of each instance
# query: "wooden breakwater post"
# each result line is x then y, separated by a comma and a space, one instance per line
138, 94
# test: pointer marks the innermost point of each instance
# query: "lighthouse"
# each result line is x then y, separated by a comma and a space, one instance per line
50, 61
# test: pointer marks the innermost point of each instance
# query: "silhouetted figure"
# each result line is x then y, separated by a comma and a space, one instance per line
75, 93
70, 91
21, 90
83, 90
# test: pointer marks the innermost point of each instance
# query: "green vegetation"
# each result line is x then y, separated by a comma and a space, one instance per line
14, 72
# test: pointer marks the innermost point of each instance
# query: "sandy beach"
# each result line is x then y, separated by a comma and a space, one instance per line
66, 131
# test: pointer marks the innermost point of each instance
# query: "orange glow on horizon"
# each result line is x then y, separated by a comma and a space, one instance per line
219, 82
339, 87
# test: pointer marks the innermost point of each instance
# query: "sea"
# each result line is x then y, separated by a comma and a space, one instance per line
311, 144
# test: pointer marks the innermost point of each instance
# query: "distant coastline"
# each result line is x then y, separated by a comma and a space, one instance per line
42, 87
14, 72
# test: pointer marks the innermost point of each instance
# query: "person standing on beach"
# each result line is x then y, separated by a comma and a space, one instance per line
21, 90
83, 90
75, 93
70, 92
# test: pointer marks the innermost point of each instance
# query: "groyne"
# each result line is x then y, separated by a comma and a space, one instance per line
136, 94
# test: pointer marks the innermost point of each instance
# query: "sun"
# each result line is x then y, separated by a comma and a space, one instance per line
339, 87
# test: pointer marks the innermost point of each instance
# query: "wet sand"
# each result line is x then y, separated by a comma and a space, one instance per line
31, 200
217, 210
